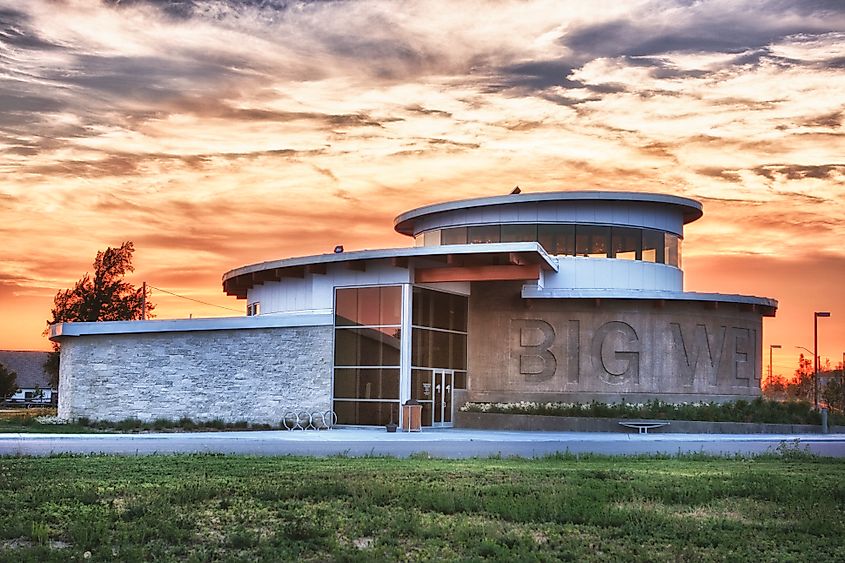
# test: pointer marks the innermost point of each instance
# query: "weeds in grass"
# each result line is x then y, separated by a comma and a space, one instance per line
39, 533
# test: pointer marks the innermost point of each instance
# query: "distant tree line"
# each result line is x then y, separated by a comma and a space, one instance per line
801, 386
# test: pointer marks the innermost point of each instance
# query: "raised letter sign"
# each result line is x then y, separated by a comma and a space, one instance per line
689, 356
531, 340
744, 356
616, 351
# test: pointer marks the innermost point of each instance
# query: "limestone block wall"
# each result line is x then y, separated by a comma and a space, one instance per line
580, 350
246, 374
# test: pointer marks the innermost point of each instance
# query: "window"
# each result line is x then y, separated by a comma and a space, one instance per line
367, 350
368, 306
253, 309
439, 338
454, 235
431, 238
626, 243
653, 246
483, 234
557, 239
592, 241
519, 233
673, 249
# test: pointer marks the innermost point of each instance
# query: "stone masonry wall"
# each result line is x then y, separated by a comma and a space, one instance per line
250, 374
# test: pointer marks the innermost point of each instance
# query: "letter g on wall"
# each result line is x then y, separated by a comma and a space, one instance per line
530, 343
616, 353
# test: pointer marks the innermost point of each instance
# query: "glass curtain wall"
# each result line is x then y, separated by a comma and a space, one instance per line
368, 337
594, 241
438, 351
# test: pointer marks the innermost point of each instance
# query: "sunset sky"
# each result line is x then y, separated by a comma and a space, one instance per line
217, 133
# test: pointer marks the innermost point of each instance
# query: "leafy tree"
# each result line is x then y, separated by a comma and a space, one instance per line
105, 296
8, 383
802, 386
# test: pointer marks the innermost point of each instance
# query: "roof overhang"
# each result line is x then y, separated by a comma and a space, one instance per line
765, 306
459, 262
59, 331
690, 208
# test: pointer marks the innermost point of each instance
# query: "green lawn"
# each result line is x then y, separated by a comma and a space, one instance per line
219, 508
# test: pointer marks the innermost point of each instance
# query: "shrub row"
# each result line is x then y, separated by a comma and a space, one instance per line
758, 410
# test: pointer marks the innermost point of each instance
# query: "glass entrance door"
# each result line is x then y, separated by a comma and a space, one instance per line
442, 385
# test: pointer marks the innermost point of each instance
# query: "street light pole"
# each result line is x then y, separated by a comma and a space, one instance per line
771, 346
816, 316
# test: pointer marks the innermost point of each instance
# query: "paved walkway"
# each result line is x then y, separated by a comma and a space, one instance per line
447, 443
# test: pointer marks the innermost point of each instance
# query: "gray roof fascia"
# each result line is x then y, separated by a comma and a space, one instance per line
64, 330
534, 292
405, 252
692, 209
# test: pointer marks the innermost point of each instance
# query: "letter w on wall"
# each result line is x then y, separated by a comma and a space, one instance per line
690, 350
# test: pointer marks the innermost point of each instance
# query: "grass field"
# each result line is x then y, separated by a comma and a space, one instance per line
219, 508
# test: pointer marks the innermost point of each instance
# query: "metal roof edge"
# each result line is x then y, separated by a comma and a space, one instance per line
65, 330
693, 209
534, 292
402, 252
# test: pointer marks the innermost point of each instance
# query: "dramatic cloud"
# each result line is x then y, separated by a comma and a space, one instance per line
217, 133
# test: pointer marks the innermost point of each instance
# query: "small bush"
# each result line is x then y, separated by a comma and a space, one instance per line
216, 423
187, 423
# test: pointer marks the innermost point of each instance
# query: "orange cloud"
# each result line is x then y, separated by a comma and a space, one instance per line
216, 134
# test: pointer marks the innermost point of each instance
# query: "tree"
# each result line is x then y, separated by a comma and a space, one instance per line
802, 386
105, 296
8, 383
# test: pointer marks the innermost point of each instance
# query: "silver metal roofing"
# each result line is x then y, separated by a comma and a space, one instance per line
530, 292
690, 208
65, 330
532, 251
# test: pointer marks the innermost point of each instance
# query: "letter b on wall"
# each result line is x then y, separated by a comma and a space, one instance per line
531, 340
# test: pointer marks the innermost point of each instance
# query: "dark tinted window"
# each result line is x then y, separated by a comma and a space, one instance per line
374, 413
440, 310
653, 245
483, 234
592, 241
368, 306
557, 239
367, 346
519, 233
626, 243
453, 235
362, 383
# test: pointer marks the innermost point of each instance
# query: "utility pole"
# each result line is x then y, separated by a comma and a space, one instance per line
144, 301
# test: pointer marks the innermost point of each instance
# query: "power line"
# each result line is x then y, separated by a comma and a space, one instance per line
192, 299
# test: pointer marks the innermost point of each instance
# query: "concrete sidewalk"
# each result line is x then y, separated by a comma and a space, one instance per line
447, 443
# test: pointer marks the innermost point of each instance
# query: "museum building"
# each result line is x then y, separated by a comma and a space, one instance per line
558, 296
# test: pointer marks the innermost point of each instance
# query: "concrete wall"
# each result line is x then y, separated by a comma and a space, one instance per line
249, 374
607, 350
500, 421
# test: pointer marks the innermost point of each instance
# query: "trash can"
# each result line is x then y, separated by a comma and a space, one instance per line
411, 416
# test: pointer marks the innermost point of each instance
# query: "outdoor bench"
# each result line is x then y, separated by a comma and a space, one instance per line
644, 425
